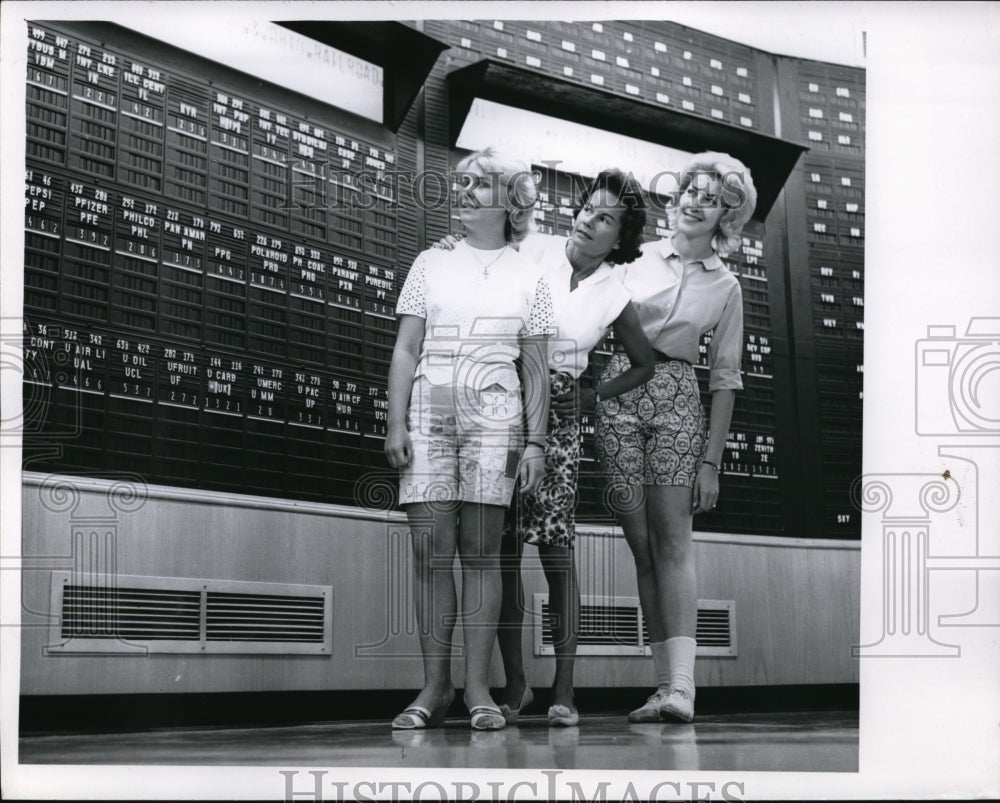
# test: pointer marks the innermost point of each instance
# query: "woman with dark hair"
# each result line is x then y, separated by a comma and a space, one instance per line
587, 300
661, 462
455, 424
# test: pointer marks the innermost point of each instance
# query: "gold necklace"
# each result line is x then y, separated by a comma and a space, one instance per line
488, 265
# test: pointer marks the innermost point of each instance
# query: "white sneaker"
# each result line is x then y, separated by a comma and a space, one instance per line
677, 705
650, 710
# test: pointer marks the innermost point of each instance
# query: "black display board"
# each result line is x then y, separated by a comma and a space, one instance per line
209, 294
210, 289
832, 108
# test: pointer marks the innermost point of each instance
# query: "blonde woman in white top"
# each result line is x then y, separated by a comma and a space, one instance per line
455, 423
587, 299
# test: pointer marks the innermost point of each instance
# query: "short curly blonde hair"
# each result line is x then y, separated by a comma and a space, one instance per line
521, 189
738, 196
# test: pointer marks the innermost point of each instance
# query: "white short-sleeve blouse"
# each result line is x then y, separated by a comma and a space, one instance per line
582, 316
476, 305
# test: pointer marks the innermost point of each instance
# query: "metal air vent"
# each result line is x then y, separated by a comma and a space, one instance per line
263, 617
615, 626
136, 614
130, 613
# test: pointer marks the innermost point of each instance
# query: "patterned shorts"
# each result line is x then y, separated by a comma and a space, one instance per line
655, 434
546, 517
466, 444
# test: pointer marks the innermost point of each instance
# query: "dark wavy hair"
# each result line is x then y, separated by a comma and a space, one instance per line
623, 187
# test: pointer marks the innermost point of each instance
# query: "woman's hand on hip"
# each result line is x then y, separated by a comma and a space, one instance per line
532, 468
706, 490
577, 400
398, 448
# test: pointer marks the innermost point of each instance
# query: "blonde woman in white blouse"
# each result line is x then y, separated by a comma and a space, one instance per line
659, 456
587, 300
455, 424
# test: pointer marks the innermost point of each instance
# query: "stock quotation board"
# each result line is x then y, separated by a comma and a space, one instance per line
832, 106
212, 264
209, 298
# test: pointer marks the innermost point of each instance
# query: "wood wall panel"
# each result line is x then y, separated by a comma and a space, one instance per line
796, 613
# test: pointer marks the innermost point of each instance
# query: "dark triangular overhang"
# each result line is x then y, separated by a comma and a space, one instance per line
770, 159
404, 53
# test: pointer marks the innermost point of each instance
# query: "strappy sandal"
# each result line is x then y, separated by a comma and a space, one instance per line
486, 718
416, 717
511, 715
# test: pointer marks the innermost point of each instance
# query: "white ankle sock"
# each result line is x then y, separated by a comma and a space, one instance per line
661, 663
680, 652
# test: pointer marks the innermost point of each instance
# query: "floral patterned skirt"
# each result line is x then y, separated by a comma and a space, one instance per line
546, 517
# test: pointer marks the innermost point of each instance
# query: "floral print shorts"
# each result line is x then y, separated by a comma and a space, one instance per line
467, 444
655, 434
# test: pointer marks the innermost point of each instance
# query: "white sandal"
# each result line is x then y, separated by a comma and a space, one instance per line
486, 718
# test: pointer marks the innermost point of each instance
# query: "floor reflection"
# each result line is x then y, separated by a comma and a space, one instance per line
799, 742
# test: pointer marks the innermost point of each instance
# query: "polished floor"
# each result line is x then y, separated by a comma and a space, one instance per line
794, 742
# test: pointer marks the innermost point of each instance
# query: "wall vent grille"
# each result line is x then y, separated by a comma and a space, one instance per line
137, 614
131, 613
261, 617
615, 626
